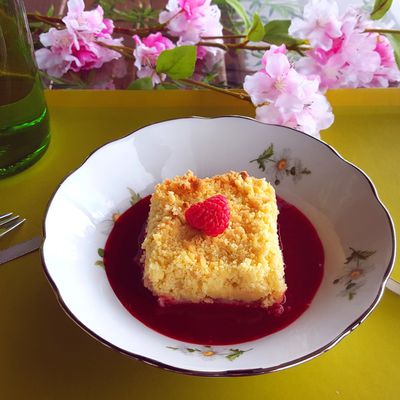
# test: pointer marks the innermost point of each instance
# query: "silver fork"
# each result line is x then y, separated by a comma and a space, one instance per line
8, 222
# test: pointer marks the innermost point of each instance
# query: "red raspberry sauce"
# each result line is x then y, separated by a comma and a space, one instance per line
215, 324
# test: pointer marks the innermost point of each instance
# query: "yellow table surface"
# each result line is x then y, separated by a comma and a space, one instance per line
44, 355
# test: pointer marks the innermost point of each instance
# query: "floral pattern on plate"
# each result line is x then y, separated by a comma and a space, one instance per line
100, 253
134, 198
355, 271
281, 165
209, 351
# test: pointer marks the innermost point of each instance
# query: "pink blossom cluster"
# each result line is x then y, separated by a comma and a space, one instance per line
284, 96
189, 20
76, 48
146, 53
343, 54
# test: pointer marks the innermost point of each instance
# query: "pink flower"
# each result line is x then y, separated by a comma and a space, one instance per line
191, 19
283, 96
388, 70
277, 79
57, 60
89, 24
201, 52
352, 63
146, 53
191, 7
78, 20
63, 53
109, 27
320, 23
77, 47
315, 116
355, 58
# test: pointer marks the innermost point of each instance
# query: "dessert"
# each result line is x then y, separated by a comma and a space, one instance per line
229, 259
220, 322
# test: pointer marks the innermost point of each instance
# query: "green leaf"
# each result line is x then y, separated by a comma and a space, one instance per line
191, 350
264, 157
134, 196
167, 86
172, 348
395, 42
358, 255
240, 11
100, 252
363, 254
141, 84
277, 32
35, 25
256, 32
177, 63
50, 11
235, 353
381, 7
99, 263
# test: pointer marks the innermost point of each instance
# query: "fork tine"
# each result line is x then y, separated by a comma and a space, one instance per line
4, 231
7, 221
5, 215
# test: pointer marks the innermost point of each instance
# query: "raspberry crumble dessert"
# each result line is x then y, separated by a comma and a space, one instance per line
214, 240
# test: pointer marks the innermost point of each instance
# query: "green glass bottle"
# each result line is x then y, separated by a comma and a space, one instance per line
24, 119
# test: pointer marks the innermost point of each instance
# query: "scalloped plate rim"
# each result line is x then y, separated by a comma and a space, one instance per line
227, 372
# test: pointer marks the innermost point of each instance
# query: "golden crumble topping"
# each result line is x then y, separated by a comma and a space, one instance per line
244, 263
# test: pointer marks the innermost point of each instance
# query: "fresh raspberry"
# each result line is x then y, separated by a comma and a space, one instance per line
210, 216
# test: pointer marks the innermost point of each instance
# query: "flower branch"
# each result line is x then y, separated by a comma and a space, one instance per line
52, 21
59, 23
222, 46
238, 95
245, 46
123, 50
44, 18
383, 30
139, 31
223, 37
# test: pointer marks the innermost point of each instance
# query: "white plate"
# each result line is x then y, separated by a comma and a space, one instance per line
336, 196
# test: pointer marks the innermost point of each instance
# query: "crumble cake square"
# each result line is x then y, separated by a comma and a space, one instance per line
243, 264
